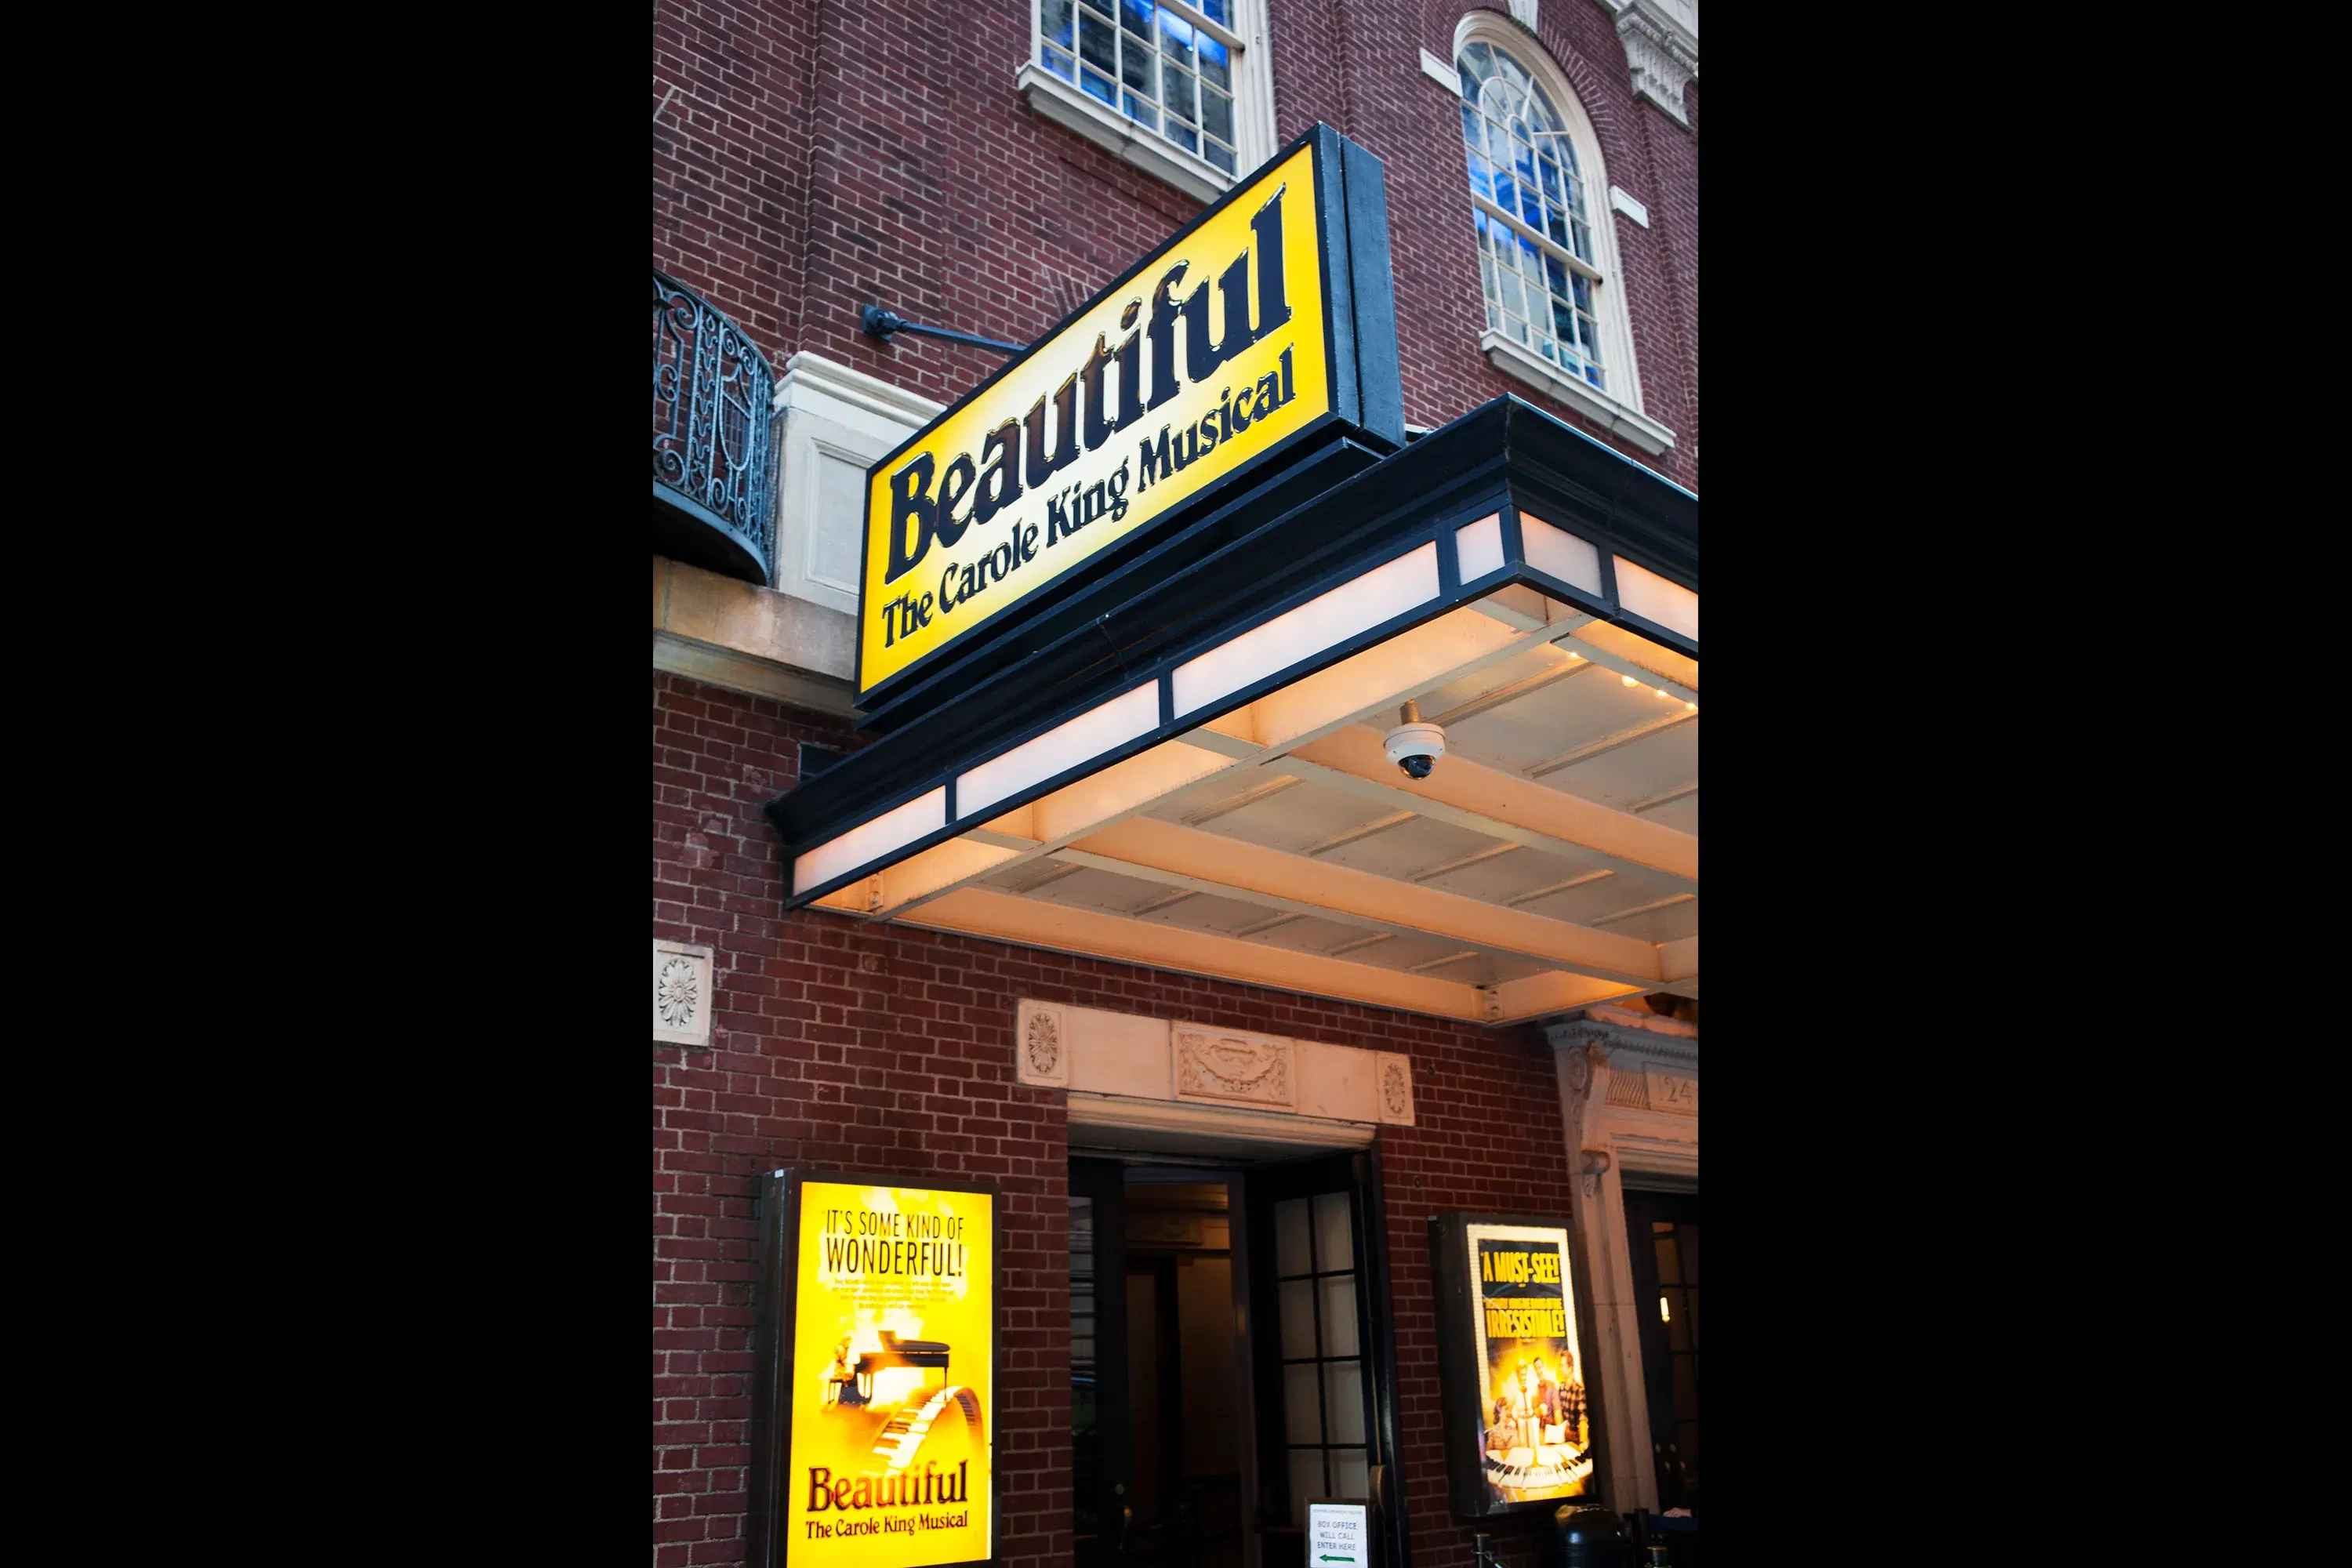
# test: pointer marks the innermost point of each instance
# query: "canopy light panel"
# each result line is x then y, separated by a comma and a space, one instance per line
1294, 637
1059, 750
872, 842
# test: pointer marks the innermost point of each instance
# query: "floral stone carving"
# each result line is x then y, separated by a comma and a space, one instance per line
1042, 1046
1250, 1069
677, 993
1394, 1086
683, 1000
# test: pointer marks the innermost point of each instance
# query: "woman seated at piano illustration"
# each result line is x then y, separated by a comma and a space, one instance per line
841, 1383
851, 1379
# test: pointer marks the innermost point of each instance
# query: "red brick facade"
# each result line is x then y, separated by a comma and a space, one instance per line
812, 158
815, 158
866, 1048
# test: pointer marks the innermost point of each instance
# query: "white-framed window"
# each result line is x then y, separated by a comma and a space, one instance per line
1533, 213
1553, 295
1167, 67
1180, 87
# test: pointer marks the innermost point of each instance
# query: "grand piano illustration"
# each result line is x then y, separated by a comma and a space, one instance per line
852, 1381
901, 1424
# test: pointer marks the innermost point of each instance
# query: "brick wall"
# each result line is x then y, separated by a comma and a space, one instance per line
1487, 1138
840, 1043
824, 156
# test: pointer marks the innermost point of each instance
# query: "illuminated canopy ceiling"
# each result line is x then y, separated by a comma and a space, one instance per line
1187, 770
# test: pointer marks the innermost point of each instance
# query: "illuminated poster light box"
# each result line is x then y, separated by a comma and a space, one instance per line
874, 1419
1522, 1424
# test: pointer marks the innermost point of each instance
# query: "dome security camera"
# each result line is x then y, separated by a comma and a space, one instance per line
1414, 746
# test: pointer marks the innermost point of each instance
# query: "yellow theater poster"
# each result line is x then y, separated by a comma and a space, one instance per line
1535, 1418
892, 1381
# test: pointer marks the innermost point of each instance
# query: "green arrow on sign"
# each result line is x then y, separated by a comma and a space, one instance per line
1329, 1558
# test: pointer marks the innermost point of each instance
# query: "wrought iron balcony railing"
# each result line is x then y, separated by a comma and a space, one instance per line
714, 449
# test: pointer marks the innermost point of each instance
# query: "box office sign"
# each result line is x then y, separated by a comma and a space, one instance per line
1519, 1418
1256, 327
876, 1367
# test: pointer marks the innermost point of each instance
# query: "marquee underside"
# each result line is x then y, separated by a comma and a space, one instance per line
1551, 860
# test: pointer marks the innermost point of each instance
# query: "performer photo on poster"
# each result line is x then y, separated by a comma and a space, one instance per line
891, 1387
1535, 1419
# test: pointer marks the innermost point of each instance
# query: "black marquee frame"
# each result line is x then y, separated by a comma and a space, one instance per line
1366, 399
1265, 547
775, 1284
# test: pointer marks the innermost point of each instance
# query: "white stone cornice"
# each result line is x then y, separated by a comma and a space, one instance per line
809, 379
1614, 1041
1661, 39
1581, 1035
1639, 1156
1653, 1023
1189, 1127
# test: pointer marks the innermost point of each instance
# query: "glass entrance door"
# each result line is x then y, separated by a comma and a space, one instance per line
1318, 1292
1229, 1361
1662, 1242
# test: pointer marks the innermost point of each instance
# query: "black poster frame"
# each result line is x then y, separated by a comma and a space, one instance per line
775, 1289
1458, 1367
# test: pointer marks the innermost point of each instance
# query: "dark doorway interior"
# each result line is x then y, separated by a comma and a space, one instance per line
1661, 1236
1185, 1406
1226, 1365
1158, 1409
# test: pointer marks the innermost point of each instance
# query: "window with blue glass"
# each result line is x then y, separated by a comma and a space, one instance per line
1167, 65
1533, 214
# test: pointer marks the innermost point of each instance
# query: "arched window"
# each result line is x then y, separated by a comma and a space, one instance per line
1555, 308
1534, 216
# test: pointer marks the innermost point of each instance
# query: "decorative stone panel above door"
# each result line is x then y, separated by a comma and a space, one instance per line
1097, 1052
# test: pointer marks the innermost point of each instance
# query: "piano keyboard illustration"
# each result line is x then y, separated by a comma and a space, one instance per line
902, 1437
1531, 1476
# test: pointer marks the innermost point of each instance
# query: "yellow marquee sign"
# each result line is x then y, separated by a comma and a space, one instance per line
1207, 356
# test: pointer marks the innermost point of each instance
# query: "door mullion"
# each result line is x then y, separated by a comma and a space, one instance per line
1104, 1183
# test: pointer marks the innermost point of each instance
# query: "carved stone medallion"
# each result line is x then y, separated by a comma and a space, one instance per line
1395, 1085
1229, 1066
683, 1002
1042, 1046
677, 993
